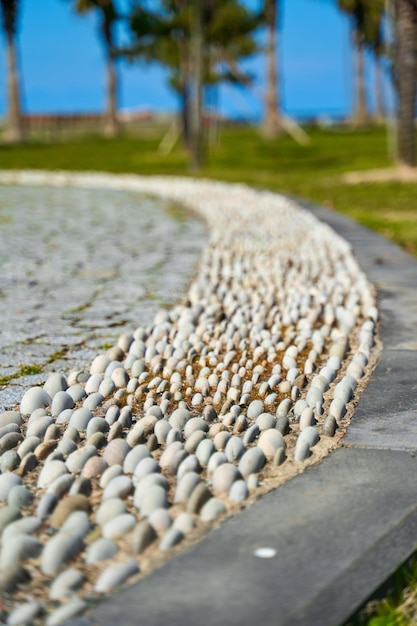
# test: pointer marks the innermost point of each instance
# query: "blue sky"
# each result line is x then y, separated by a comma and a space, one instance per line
62, 68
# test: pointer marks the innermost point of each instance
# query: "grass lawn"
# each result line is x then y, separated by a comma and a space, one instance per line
312, 172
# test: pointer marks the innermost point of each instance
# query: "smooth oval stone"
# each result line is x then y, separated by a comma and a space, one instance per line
143, 535
194, 440
216, 459
106, 387
118, 526
185, 522
119, 487
284, 407
160, 520
343, 391
299, 407
189, 464
265, 421
195, 424
24, 613
200, 495
110, 473
97, 440
279, 457
337, 408
234, 449
146, 466
34, 398
19, 496
64, 613
61, 548
29, 444
252, 461
99, 364
179, 418
28, 463
93, 383
153, 497
61, 402
93, 401
204, 451
255, 408
172, 537
100, 550
81, 486
9, 441
19, 548
67, 506
66, 447
77, 459
329, 426
307, 418
55, 383
10, 417
224, 476
173, 435
269, 441
283, 425
66, 583
116, 451
250, 434
238, 491
220, 440
311, 435
186, 486
302, 450
39, 426
95, 466
97, 424
13, 577
145, 482
115, 575
61, 485
134, 457
77, 392
112, 414
109, 509
212, 509
80, 418
46, 505
8, 514
168, 455
9, 461
50, 472
71, 433
161, 430
23, 526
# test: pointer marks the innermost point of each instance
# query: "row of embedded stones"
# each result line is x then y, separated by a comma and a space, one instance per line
188, 411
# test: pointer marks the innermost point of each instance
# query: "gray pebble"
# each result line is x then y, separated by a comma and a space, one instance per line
134, 457
179, 418
77, 459
60, 549
250, 434
216, 459
204, 451
29, 444
10, 417
142, 536
119, 487
46, 505
302, 450
115, 575
100, 550
185, 522
24, 613
34, 398
234, 449
269, 441
66, 611
118, 526
93, 401
255, 408
160, 520
311, 435
61, 402
66, 583
190, 463
252, 461
61, 485
185, 486
9, 441
39, 426
8, 514
265, 421
9, 461
55, 383
146, 466
195, 424
329, 426
279, 457
161, 430
110, 473
116, 451
110, 509
77, 392
212, 509
8, 480
97, 424
194, 440
80, 418
77, 523
19, 496
169, 453
172, 537
224, 477
23, 526
238, 491
19, 548
154, 497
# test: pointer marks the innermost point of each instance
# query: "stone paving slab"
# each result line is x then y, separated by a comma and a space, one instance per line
340, 529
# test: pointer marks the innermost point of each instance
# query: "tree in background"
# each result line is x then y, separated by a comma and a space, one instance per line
108, 16
172, 37
405, 77
14, 126
272, 120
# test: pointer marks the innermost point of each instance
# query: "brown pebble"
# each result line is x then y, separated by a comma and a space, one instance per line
94, 467
68, 505
200, 495
44, 449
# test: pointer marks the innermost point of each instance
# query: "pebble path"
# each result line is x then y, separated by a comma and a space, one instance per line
119, 463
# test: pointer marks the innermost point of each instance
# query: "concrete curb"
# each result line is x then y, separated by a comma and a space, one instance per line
340, 529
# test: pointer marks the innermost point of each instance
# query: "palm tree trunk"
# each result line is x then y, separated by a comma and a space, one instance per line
406, 11
14, 129
196, 101
380, 106
361, 111
111, 122
272, 120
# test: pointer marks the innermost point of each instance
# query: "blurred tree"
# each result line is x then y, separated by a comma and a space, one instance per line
405, 77
14, 123
171, 35
273, 124
108, 17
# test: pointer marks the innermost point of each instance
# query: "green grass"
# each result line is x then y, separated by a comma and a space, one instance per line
311, 172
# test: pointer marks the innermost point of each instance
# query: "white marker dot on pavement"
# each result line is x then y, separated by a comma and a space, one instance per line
265, 553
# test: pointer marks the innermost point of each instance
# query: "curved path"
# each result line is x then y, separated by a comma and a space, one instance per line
337, 531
